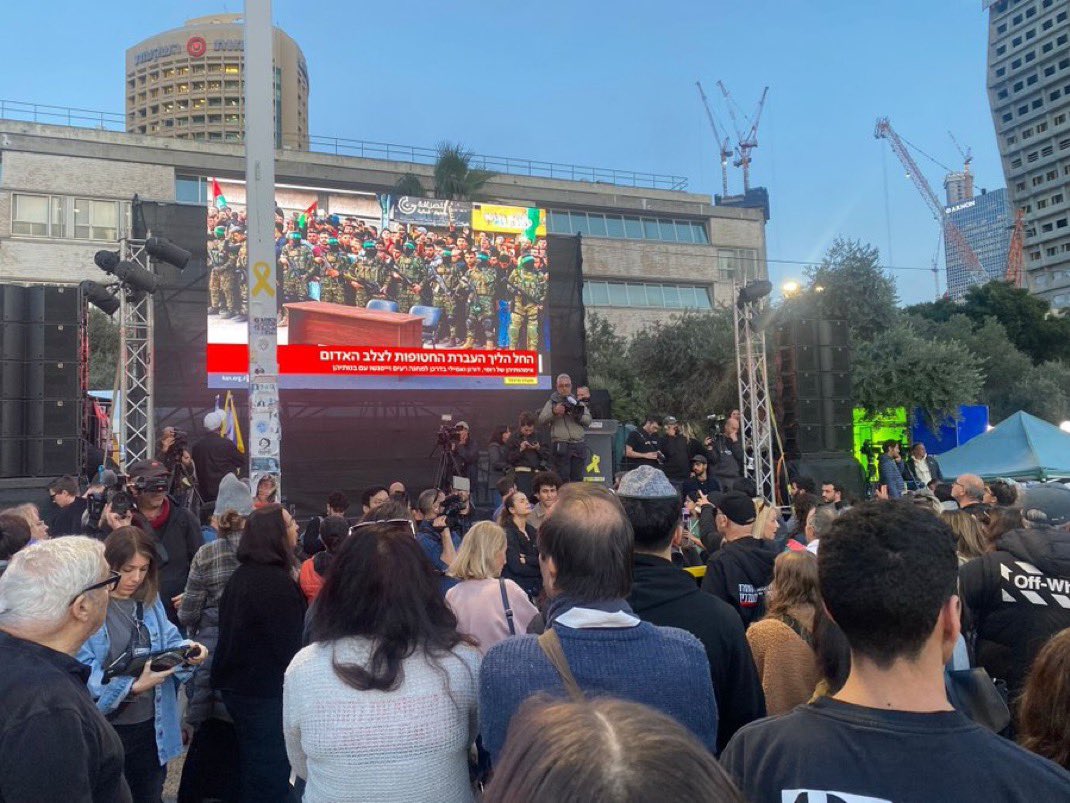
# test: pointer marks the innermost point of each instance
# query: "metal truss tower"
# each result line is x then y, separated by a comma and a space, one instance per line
137, 429
755, 408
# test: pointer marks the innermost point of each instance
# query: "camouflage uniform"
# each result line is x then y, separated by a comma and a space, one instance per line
442, 295
331, 288
526, 306
412, 268
362, 267
297, 266
217, 261
481, 309
241, 281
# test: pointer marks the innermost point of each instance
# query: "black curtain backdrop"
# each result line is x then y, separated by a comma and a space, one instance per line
342, 439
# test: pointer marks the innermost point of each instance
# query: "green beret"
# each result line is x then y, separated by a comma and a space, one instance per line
332, 241
410, 246
526, 260
482, 257
369, 244
220, 231
295, 235
447, 253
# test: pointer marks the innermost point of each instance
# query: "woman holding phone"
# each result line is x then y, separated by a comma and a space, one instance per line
140, 703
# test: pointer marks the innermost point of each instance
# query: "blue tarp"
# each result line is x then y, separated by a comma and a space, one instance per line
1022, 446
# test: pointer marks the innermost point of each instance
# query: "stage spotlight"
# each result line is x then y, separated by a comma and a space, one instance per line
106, 260
100, 297
790, 288
135, 277
755, 291
164, 250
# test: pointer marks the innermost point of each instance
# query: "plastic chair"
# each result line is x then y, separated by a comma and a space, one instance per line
382, 305
431, 316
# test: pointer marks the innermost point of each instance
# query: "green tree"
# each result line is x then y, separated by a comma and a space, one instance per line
409, 185
609, 367
455, 178
103, 350
854, 288
904, 369
688, 365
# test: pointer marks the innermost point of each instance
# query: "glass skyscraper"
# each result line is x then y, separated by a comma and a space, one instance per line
986, 223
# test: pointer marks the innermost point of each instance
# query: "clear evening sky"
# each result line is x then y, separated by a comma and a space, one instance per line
611, 84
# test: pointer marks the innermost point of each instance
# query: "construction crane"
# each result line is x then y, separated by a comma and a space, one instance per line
1015, 274
967, 157
745, 141
952, 235
723, 144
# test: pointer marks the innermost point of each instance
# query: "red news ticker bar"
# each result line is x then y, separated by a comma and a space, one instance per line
379, 361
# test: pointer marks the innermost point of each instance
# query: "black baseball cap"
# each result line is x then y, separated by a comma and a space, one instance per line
738, 508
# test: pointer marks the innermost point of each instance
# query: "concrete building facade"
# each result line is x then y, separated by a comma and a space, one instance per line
986, 223
648, 254
188, 83
1029, 92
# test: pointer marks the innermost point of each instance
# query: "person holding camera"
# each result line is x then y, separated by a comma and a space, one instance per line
466, 452
175, 531
568, 417
726, 456
214, 457
434, 534
525, 452
139, 697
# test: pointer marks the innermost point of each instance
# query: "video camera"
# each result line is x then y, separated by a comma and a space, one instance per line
452, 506
121, 502
152, 484
573, 406
447, 435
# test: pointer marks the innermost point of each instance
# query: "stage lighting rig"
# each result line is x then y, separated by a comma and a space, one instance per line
163, 250
101, 297
133, 277
754, 290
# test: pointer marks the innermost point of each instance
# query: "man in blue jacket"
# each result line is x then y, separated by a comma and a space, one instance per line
890, 470
586, 553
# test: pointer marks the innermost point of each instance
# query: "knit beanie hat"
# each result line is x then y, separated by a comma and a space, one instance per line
233, 495
646, 482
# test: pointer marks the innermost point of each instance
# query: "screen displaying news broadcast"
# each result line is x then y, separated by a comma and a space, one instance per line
415, 293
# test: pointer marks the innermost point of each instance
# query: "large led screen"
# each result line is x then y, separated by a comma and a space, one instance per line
414, 293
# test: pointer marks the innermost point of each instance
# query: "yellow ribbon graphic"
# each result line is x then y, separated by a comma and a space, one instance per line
594, 466
262, 271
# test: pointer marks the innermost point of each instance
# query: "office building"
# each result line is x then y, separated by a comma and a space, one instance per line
650, 248
187, 83
986, 223
1029, 92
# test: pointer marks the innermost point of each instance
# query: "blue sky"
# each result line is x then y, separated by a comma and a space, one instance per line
611, 84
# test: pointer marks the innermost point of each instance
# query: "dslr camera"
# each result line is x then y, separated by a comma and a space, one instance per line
121, 503
573, 406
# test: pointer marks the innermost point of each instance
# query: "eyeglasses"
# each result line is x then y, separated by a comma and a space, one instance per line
111, 583
407, 522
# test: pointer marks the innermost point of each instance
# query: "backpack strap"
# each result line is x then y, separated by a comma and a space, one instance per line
551, 645
507, 606
797, 626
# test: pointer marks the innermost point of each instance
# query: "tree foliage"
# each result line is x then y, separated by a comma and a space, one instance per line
854, 288
455, 178
905, 369
685, 367
103, 350
409, 185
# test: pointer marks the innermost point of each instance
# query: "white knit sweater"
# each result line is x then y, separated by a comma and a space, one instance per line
406, 745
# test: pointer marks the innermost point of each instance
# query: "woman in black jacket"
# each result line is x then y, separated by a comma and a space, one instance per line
498, 459
261, 615
521, 551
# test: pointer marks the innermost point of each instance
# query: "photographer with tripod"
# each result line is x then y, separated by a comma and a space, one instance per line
173, 451
568, 417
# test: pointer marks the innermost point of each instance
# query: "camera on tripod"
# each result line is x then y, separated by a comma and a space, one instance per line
179, 444
447, 435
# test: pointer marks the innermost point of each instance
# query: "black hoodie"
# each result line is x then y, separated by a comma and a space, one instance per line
1019, 597
739, 573
668, 597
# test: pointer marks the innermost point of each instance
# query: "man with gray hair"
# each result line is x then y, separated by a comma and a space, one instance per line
568, 418
54, 743
818, 522
969, 491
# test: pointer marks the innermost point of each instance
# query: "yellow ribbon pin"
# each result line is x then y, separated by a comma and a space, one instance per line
594, 466
262, 272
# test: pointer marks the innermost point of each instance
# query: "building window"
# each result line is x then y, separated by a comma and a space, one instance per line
96, 220
651, 295
1042, 204
627, 227
37, 215
191, 189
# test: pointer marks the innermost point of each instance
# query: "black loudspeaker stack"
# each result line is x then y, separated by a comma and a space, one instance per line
814, 387
42, 381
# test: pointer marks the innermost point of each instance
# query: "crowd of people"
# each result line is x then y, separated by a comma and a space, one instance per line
671, 637
490, 289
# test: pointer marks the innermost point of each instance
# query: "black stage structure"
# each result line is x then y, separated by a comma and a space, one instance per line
342, 439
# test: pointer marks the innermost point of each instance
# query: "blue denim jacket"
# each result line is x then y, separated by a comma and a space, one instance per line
162, 635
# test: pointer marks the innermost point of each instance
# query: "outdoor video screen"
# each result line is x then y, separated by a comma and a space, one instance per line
414, 293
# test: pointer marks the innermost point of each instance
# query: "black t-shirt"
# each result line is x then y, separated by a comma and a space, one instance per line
642, 443
835, 751
677, 464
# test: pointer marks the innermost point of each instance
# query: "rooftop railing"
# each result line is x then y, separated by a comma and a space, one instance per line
339, 146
